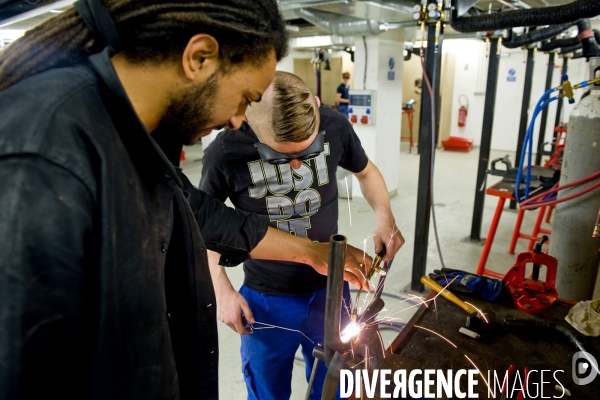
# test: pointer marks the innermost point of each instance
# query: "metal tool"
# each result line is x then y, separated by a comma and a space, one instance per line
362, 350
430, 283
375, 267
532, 295
247, 325
476, 320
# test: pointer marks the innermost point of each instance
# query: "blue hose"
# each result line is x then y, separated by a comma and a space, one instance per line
528, 145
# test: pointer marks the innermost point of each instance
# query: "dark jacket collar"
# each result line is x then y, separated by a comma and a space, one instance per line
145, 153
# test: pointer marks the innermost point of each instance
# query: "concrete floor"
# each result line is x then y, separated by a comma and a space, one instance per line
454, 190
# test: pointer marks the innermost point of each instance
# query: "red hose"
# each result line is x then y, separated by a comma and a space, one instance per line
534, 202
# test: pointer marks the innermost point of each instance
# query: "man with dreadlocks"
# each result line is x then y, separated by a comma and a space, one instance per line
282, 165
105, 291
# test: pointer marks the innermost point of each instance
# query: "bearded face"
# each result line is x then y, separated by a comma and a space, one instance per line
190, 112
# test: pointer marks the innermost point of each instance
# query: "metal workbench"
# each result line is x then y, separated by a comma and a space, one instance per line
548, 350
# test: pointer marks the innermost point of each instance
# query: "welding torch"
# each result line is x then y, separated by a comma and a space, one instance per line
375, 267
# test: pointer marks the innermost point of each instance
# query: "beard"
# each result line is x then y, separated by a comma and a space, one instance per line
189, 113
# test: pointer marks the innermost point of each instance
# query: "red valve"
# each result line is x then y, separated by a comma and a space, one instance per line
532, 295
353, 119
364, 119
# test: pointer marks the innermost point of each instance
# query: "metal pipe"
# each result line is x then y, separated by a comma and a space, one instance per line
486, 139
544, 120
332, 378
341, 25
559, 105
313, 374
432, 66
506, 3
335, 287
524, 108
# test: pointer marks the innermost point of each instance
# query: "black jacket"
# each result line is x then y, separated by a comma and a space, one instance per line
105, 291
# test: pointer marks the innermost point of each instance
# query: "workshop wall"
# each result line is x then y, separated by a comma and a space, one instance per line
299, 63
470, 79
412, 71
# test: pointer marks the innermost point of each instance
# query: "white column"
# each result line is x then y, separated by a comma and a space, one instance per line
382, 140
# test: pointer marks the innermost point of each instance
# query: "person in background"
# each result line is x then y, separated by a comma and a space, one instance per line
418, 86
342, 96
281, 166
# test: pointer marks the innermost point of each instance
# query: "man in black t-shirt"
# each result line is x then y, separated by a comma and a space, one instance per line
342, 96
283, 168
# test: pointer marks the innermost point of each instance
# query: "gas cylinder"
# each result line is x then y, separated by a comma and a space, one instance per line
572, 242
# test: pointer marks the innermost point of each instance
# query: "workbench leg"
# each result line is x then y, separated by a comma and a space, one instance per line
517, 232
490, 237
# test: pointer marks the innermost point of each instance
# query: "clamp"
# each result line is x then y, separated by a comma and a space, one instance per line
532, 295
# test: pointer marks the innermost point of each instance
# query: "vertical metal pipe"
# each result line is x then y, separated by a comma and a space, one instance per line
544, 120
559, 105
438, 97
318, 78
432, 64
486, 139
335, 285
524, 109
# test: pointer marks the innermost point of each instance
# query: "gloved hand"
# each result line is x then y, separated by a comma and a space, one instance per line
487, 288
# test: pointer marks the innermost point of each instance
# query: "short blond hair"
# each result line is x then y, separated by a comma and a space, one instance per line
295, 112
346, 75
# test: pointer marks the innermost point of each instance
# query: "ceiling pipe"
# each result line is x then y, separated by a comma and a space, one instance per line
339, 25
403, 6
295, 4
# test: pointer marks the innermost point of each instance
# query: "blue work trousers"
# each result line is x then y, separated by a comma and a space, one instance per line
268, 354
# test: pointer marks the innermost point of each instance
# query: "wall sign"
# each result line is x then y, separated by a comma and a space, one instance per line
512, 75
391, 73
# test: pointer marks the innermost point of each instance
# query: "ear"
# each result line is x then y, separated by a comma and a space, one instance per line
318, 100
200, 57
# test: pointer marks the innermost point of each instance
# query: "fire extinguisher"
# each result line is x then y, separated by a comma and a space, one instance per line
463, 110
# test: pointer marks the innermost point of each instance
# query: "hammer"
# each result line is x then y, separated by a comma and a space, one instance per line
474, 320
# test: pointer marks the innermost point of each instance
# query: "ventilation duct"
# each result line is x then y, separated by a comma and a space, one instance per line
313, 42
285, 5
339, 25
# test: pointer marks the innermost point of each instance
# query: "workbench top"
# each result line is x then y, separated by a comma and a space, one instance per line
416, 347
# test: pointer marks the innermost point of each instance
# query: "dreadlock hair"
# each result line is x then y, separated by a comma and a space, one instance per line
295, 114
151, 31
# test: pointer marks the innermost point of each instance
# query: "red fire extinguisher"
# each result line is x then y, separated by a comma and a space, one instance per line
463, 110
